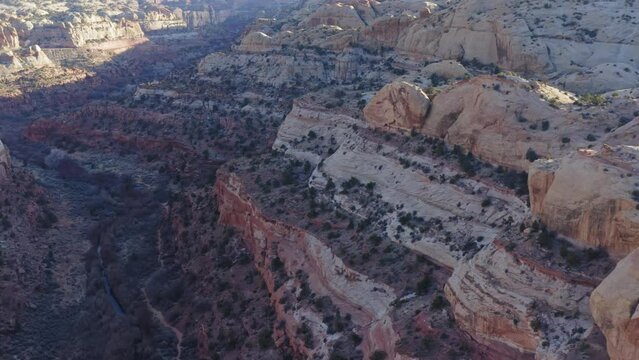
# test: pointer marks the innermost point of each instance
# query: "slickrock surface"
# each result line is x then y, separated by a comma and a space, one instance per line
528, 36
447, 69
614, 307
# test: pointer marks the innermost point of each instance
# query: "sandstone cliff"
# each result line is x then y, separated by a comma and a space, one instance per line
499, 119
499, 299
614, 307
589, 196
298, 252
161, 18
85, 30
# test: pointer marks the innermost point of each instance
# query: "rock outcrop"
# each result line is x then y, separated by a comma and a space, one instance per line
398, 105
196, 19
348, 65
508, 300
157, 18
13, 30
257, 42
614, 307
31, 58
499, 299
83, 30
602, 78
5, 163
339, 14
447, 70
590, 196
488, 116
8, 37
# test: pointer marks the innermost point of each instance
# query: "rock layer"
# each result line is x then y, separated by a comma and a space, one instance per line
85, 30
498, 299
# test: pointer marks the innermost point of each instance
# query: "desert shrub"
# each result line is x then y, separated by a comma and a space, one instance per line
379, 355
531, 155
591, 100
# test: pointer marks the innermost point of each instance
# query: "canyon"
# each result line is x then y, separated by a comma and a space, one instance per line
319, 179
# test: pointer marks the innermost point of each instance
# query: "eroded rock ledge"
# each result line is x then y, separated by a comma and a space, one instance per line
278, 247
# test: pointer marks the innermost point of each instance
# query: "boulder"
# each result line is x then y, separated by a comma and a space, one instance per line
447, 69
398, 105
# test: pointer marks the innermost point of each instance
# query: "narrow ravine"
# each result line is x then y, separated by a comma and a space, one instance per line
160, 317
107, 286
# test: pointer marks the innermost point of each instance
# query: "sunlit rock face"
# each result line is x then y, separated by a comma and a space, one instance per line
9, 37
590, 196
